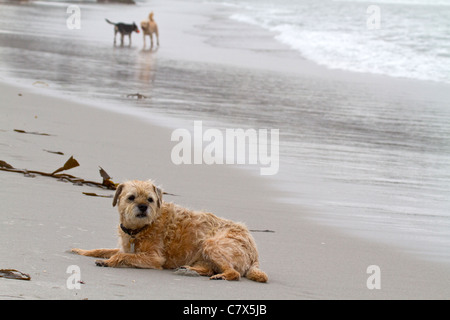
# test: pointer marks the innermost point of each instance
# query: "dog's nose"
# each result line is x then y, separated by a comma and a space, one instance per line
142, 207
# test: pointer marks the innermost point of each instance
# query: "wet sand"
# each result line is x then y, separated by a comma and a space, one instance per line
43, 218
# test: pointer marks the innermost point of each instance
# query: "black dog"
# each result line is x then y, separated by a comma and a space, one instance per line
124, 29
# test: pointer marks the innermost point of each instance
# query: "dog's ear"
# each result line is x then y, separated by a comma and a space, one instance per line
159, 194
116, 196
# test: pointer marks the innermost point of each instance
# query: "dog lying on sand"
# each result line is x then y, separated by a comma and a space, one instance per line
149, 27
159, 235
124, 29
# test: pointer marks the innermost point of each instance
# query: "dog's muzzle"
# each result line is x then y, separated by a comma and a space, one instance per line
143, 211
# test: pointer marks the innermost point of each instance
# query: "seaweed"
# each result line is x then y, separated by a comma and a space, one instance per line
93, 194
265, 230
14, 274
137, 95
54, 152
71, 163
4, 164
29, 132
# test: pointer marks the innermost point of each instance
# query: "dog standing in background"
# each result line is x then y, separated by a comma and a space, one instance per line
149, 27
123, 29
159, 235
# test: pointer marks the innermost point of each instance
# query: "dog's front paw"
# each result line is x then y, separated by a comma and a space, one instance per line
101, 263
77, 251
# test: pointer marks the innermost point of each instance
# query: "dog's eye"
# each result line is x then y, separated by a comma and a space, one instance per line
131, 198
150, 199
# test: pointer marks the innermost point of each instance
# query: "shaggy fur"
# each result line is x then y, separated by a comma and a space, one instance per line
160, 235
149, 27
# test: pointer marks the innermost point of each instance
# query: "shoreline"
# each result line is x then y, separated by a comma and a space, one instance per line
284, 196
304, 260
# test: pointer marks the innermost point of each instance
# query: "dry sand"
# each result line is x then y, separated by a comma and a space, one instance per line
42, 218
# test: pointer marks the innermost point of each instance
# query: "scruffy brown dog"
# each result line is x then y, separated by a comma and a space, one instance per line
156, 234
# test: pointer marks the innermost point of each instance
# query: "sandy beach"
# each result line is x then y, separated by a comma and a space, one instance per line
42, 218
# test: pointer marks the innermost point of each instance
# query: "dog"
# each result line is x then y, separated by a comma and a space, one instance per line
156, 234
123, 29
149, 27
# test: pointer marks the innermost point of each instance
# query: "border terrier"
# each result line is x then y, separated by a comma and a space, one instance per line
160, 235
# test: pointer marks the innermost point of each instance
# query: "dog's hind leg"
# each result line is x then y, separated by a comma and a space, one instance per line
256, 274
228, 274
98, 253
227, 257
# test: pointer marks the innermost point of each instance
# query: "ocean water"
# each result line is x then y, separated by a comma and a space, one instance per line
380, 157
371, 157
399, 38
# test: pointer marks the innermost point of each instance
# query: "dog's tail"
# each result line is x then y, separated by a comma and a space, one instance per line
256, 274
150, 16
110, 22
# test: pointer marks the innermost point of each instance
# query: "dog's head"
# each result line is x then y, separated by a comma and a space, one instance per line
139, 203
135, 28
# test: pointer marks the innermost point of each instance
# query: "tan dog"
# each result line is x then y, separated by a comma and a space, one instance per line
149, 27
156, 234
